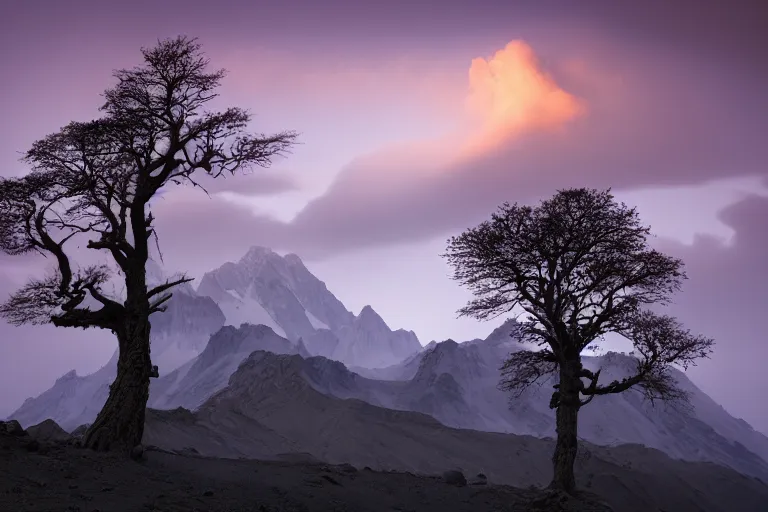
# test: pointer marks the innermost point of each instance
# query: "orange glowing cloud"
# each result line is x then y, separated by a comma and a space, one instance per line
510, 94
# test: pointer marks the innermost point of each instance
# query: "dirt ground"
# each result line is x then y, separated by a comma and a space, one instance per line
56, 476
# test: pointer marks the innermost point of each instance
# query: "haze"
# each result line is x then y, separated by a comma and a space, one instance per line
416, 121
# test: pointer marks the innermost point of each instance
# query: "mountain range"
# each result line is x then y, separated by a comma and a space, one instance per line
263, 288
271, 409
266, 321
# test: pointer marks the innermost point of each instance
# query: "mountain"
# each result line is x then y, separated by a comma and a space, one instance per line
266, 288
457, 383
280, 292
262, 288
369, 342
182, 331
190, 385
71, 401
269, 408
454, 383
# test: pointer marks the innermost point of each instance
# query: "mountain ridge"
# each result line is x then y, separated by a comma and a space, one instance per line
269, 397
455, 383
279, 291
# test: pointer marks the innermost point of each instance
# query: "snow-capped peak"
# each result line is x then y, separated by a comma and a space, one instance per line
266, 288
257, 255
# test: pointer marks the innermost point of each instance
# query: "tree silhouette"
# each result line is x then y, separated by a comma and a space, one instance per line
580, 266
95, 180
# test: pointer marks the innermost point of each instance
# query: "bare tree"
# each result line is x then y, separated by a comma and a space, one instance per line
579, 266
95, 180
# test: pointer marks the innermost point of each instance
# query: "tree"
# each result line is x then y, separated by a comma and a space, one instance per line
95, 181
579, 265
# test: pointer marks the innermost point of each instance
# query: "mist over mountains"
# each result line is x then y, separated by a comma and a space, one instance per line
265, 360
262, 288
278, 407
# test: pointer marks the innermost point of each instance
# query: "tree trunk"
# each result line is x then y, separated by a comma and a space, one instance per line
567, 428
120, 424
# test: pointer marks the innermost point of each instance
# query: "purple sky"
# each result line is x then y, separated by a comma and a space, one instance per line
417, 119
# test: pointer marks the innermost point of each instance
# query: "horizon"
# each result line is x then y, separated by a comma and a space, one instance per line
415, 124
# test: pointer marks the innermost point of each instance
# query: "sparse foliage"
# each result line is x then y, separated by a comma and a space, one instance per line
579, 266
94, 181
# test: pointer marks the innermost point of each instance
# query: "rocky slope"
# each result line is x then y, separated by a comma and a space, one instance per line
262, 288
457, 383
60, 477
369, 342
182, 331
190, 385
71, 401
269, 398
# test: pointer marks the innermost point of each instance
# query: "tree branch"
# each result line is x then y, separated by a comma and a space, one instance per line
157, 306
525, 368
661, 341
167, 286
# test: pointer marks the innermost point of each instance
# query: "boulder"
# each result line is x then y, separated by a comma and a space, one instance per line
81, 430
455, 477
480, 479
12, 428
49, 431
137, 453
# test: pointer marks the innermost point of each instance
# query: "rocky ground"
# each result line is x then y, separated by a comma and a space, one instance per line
44, 470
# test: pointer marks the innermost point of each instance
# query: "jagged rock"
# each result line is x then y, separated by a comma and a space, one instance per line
278, 291
480, 479
12, 428
330, 479
81, 430
190, 450
455, 477
347, 468
48, 430
193, 383
369, 342
266, 288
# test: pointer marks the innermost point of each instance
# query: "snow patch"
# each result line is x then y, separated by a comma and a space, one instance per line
244, 309
316, 323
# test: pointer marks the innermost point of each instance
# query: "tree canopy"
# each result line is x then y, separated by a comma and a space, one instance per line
96, 179
578, 266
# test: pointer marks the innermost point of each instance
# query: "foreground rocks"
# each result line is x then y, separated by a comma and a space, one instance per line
48, 431
62, 477
12, 428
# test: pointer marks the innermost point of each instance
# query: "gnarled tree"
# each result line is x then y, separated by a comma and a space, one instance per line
94, 181
579, 265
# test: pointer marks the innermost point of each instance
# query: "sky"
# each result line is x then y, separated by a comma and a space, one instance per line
416, 120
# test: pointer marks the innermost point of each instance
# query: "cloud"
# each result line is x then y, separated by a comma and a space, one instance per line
633, 120
724, 297
511, 95
254, 183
